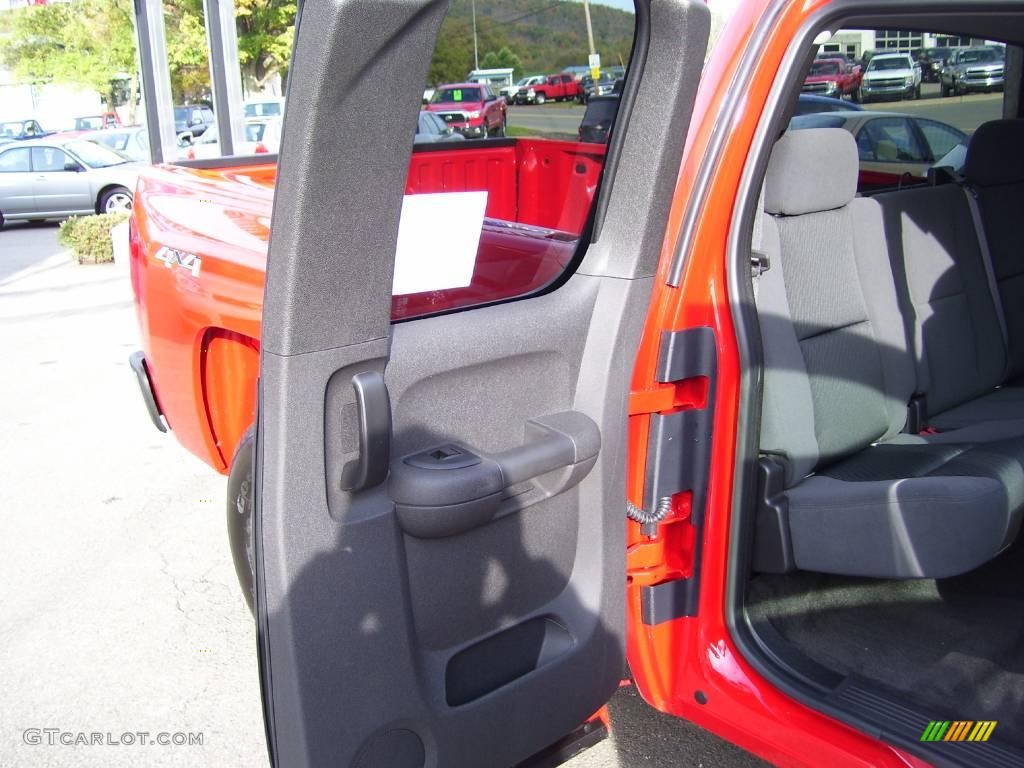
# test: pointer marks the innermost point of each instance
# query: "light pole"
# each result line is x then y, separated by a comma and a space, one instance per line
590, 28
594, 60
476, 52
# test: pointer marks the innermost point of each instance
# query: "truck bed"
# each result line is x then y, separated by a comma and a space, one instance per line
199, 238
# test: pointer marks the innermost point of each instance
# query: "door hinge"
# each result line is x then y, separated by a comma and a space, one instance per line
678, 461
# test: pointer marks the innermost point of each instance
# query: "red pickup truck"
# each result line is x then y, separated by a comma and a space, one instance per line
560, 87
472, 109
686, 408
834, 77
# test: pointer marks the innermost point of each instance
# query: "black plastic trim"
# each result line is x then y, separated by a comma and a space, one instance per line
679, 459
374, 409
669, 600
137, 361
562, 751
233, 161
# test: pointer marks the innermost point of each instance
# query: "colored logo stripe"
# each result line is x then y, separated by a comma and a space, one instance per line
958, 730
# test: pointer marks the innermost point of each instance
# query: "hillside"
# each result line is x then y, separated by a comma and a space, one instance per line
546, 35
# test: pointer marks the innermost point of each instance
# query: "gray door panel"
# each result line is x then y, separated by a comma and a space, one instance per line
469, 609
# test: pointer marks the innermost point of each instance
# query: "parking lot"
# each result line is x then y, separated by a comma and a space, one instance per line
963, 112
121, 609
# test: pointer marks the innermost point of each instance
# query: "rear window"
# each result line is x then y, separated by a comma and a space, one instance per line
825, 68
456, 95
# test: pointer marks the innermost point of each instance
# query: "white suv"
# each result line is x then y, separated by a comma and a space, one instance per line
891, 76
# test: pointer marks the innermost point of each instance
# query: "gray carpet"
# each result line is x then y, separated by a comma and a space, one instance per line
953, 647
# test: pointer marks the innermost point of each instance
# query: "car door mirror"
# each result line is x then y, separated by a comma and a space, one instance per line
72, 167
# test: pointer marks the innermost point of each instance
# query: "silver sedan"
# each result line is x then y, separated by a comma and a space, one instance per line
55, 177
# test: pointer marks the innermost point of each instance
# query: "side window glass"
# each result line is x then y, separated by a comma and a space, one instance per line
941, 139
15, 161
921, 79
48, 159
496, 204
889, 140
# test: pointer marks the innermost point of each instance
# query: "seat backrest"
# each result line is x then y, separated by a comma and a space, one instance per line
994, 168
944, 293
838, 373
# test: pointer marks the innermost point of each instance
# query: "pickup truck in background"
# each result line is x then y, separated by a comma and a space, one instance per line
20, 130
472, 109
972, 70
560, 87
835, 78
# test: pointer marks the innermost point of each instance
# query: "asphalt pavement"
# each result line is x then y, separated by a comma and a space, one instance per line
963, 112
121, 614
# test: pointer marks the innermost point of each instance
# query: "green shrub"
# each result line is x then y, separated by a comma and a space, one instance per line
88, 237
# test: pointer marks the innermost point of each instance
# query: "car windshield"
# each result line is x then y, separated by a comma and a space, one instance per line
979, 56
886, 64
825, 68
88, 123
524, 80
263, 109
254, 131
111, 139
15, 128
96, 155
455, 95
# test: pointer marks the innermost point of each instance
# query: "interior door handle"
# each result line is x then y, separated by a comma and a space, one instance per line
451, 488
370, 468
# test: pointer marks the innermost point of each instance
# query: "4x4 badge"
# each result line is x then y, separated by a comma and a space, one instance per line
171, 257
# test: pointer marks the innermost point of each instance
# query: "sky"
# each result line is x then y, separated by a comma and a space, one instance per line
719, 7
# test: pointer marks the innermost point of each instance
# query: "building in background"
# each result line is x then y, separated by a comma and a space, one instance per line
854, 43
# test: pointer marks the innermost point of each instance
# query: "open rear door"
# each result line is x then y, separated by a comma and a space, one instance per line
440, 514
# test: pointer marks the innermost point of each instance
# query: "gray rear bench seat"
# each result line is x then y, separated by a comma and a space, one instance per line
854, 494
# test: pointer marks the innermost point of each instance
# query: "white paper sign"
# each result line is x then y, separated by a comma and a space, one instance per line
438, 237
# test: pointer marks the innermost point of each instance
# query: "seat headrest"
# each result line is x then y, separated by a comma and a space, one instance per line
814, 169
995, 154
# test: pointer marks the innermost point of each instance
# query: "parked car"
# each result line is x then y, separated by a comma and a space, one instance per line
97, 122
973, 69
560, 87
45, 178
262, 136
834, 77
932, 60
589, 87
432, 129
511, 92
192, 120
809, 104
890, 76
470, 108
133, 142
893, 149
20, 130
269, 107
599, 119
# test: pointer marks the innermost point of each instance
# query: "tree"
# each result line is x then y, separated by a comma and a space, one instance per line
89, 43
266, 30
501, 60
